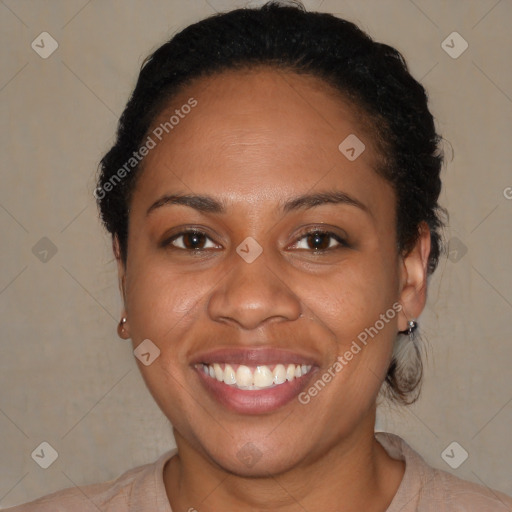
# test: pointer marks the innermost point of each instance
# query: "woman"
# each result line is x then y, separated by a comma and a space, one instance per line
272, 200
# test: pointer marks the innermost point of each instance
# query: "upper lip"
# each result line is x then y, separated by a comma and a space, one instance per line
253, 356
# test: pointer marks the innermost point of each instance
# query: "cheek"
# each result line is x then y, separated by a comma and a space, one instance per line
353, 296
358, 304
165, 307
160, 300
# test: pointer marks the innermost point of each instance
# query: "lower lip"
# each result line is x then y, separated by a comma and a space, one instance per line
254, 401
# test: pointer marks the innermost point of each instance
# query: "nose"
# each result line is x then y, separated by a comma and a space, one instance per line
252, 294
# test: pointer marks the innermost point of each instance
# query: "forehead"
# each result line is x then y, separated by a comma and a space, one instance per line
259, 133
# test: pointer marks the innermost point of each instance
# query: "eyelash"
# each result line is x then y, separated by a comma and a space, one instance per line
342, 243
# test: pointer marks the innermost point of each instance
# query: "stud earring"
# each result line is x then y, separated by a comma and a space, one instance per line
120, 327
413, 325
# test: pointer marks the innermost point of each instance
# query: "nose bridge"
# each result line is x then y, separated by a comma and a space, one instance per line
252, 293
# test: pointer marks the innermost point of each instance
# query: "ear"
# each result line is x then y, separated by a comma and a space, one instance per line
121, 274
121, 270
413, 278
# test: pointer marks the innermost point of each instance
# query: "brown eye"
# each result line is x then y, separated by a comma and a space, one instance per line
189, 241
193, 240
318, 241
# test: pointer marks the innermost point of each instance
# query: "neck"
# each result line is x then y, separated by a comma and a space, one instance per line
338, 480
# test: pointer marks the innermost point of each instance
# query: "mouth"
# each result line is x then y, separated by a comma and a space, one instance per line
254, 381
253, 378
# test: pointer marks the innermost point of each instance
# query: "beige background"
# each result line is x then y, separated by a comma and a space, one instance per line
65, 376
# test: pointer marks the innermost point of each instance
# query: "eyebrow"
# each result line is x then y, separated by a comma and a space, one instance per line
208, 204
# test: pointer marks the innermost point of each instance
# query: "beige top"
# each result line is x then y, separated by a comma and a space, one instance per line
141, 489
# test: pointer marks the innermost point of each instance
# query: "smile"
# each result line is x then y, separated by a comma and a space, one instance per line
254, 377
253, 380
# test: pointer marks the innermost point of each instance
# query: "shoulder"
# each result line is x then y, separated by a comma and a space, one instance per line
425, 488
140, 485
454, 493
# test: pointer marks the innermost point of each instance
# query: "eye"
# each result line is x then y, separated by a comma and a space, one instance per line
190, 240
319, 241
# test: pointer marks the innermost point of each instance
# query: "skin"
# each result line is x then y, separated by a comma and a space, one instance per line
255, 139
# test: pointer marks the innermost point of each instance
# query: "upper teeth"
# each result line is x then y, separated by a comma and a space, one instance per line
259, 377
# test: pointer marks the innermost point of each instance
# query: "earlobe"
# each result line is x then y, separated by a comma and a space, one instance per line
413, 293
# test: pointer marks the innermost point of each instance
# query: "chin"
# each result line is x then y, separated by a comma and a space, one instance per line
255, 459
250, 462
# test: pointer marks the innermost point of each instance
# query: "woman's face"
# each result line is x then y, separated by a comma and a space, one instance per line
253, 291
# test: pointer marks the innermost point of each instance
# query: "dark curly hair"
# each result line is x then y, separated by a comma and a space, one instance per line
373, 76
